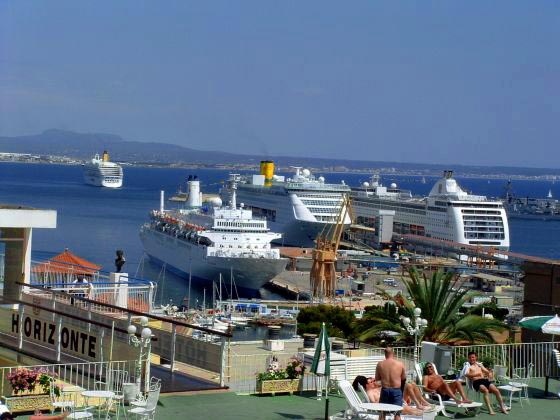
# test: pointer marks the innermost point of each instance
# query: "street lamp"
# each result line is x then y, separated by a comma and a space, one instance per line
415, 327
144, 344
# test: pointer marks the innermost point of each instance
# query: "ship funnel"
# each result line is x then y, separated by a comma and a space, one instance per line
195, 196
267, 169
105, 156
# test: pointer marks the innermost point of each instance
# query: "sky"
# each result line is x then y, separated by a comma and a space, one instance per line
471, 82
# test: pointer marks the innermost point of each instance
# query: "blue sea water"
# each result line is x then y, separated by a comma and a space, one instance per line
94, 222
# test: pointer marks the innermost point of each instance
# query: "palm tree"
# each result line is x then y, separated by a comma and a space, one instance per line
376, 321
441, 297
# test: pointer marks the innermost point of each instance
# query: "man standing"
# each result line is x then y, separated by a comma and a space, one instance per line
392, 375
480, 377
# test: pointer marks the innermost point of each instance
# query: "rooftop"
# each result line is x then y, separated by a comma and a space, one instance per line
228, 405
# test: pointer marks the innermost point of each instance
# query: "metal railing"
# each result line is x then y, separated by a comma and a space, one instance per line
85, 375
138, 297
242, 369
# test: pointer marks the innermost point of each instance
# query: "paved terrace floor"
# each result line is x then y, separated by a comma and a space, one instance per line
227, 405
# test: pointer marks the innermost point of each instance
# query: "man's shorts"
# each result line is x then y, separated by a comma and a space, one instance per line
476, 384
391, 396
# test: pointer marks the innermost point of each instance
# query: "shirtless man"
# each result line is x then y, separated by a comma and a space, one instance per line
391, 373
433, 382
479, 376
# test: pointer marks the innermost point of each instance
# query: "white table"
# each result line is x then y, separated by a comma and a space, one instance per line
106, 396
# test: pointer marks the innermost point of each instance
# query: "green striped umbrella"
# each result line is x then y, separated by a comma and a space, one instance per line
322, 363
547, 324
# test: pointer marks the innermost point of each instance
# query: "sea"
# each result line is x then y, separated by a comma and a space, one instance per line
94, 222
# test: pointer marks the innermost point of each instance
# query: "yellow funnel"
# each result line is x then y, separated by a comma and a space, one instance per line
267, 169
105, 156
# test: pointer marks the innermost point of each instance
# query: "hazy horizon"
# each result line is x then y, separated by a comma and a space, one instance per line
474, 83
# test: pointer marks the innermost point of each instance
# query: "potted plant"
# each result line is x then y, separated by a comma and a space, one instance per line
281, 380
24, 385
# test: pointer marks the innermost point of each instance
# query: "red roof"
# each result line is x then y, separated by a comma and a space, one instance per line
67, 263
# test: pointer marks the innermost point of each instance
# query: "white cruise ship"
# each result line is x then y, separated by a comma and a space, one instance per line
298, 207
100, 172
208, 240
448, 213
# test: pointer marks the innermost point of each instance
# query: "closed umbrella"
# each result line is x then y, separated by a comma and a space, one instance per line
322, 362
548, 325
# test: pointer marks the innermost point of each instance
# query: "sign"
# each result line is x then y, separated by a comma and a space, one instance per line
72, 340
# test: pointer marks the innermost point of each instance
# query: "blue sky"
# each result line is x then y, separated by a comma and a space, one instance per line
472, 82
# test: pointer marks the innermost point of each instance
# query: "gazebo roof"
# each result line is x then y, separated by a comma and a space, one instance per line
67, 263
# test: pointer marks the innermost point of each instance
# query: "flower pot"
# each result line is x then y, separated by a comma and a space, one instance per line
27, 403
278, 385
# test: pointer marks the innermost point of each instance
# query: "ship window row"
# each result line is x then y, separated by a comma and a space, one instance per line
481, 212
401, 207
478, 204
321, 202
471, 218
237, 224
246, 246
334, 196
499, 236
483, 229
324, 210
432, 208
483, 243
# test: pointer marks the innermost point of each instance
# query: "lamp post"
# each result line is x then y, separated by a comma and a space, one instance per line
144, 344
415, 327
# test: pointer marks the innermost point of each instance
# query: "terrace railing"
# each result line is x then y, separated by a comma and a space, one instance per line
84, 375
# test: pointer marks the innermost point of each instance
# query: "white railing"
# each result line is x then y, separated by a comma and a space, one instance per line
135, 296
86, 375
241, 370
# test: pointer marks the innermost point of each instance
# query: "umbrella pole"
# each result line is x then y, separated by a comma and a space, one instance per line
548, 370
327, 399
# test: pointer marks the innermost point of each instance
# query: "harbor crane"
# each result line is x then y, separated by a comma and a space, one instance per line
323, 271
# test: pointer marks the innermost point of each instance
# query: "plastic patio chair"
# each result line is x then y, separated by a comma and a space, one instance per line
149, 410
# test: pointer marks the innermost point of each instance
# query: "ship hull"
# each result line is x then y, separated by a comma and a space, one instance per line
101, 181
185, 258
297, 233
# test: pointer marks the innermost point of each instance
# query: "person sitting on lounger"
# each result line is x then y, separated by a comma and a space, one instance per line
432, 382
481, 381
411, 395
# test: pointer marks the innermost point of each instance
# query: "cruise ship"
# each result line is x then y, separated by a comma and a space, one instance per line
204, 240
100, 172
299, 206
447, 213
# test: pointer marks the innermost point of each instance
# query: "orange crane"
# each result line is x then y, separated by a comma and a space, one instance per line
323, 271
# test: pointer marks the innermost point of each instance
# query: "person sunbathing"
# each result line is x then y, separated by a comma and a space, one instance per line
411, 395
432, 382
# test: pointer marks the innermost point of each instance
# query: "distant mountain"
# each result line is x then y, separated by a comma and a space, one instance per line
84, 146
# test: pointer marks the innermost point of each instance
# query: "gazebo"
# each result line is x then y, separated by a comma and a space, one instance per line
64, 268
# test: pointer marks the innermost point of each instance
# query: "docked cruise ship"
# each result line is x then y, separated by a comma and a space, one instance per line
299, 207
206, 240
100, 172
448, 213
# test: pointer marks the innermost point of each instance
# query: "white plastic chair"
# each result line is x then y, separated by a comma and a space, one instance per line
65, 401
521, 380
154, 384
149, 410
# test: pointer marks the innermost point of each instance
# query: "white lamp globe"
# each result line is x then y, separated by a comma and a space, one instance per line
417, 312
424, 322
146, 333
406, 321
131, 329
143, 321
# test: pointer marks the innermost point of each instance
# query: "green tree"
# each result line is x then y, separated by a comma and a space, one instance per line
441, 297
377, 320
340, 322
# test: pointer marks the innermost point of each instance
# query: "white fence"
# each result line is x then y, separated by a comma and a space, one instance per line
84, 375
241, 370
